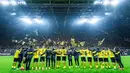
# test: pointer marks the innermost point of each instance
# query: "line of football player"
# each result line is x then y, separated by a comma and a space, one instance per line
52, 58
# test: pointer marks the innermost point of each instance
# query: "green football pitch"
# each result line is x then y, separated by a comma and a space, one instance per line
6, 62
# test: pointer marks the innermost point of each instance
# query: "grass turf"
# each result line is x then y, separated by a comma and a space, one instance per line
6, 63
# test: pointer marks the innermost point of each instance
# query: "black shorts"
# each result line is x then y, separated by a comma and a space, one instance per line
24, 61
16, 59
118, 60
100, 59
35, 60
95, 59
42, 59
89, 59
64, 58
113, 60
58, 58
20, 59
83, 59
105, 59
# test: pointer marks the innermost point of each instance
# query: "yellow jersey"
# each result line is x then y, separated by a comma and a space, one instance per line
36, 54
111, 54
58, 51
101, 54
106, 54
83, 53
63, 52
42, 51
89, 53
16, 55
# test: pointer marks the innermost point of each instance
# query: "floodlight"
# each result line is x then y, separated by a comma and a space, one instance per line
23, 2
13, 2
114, 2
97, 2
39, 21
93, 20
26, 20
106, 2
81, 21
5, 2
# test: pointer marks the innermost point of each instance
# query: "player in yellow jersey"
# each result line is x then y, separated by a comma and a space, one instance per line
106, 56
89, 56
83, 58
101, 58
35, 59
16, 58
42, 56
64, 53
112, 57
58, 51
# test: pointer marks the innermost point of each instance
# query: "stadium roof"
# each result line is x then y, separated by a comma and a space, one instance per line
62, 14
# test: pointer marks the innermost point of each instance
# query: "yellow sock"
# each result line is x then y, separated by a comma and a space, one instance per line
114, 67
64, 67
96, 66
102, 67
109, 66
90, 66
84, 67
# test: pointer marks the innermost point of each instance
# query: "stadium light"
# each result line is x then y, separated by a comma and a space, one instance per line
81, 21
26, 20
114, 2
13, 2
22, 3
97, 2
93, 20
106, 2
6, 3
39, 21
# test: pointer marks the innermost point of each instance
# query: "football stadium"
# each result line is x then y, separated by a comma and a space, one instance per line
64, 36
